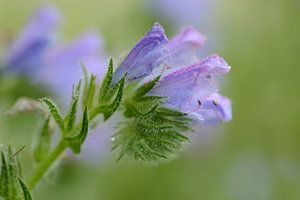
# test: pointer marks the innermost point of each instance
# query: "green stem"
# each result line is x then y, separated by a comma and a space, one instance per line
43, 167
46, 163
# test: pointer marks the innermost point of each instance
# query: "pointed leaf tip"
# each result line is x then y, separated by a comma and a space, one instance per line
106, 83
144, 89
117, 101
55, 113
26, 192
76, 141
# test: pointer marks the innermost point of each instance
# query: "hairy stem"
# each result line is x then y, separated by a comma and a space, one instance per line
43, 167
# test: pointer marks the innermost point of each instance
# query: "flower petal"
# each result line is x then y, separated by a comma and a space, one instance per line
62, 65
186, 87
149, 53
183, 47
214, 109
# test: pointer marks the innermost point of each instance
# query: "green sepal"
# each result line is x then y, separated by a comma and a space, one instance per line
26, 192
109, 109
78, 139
10, 171
143, 106
150, 131
4, 177
55, 113
144, 89
88, 98
139, 104
71, 116
105, 86
111, 92
43, 143
117, 101
109, 96
153, 136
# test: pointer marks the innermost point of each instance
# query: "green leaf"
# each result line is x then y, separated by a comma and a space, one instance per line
53, 109
43, 143
26, 192
89, 98
109, 97
110, 93
144, 89
4, 177
13, 174
108, 109
77, 140
71, 116
84, 127
106, 83
10, 171
117, 101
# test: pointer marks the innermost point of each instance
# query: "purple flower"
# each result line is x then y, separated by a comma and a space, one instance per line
189, 89
184, 46
61, 65
215, 109
28, 49
149, 53
36, 55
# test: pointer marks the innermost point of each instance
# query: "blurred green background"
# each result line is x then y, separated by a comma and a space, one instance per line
255, 156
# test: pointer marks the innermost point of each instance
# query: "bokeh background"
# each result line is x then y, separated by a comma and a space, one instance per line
255, 156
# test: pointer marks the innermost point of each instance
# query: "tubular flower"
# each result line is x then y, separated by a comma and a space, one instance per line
61, 65
192, 90
214, 109
147, 54
183, 47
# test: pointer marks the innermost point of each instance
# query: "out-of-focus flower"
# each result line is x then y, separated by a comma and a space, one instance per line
62, 63
182, 12
38, 55
27, 51
149, 53
193, 90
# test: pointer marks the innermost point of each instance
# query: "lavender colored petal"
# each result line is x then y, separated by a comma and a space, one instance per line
182, 12
214, 109
149, 53
28, 49
62, 65
185, 89
183, 47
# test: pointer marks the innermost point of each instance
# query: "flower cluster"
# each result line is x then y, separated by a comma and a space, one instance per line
160, 110
191, 89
